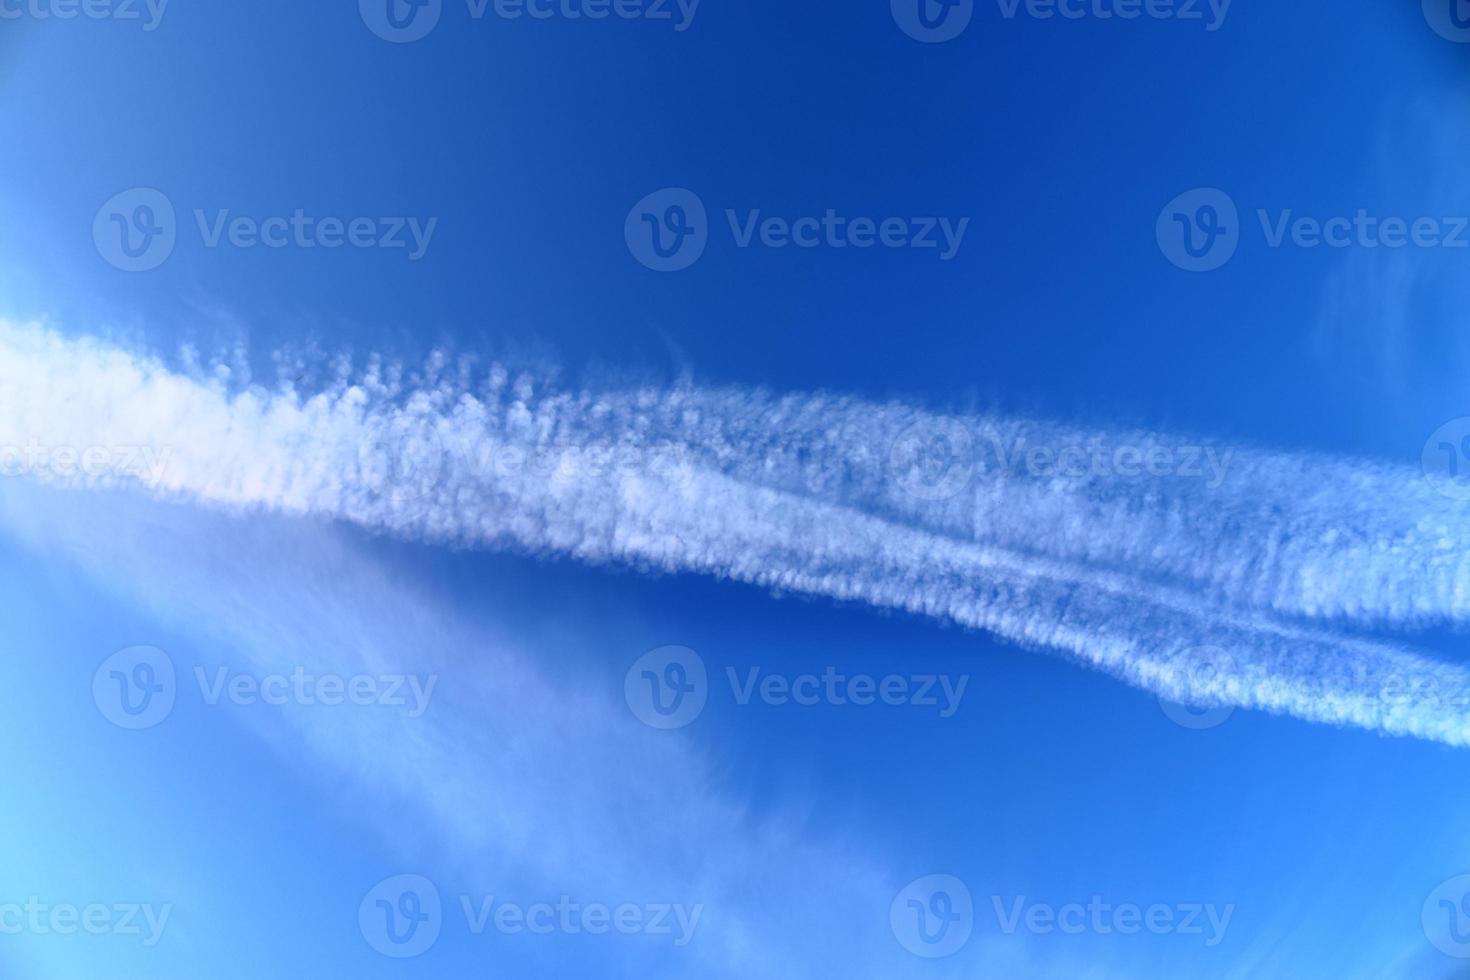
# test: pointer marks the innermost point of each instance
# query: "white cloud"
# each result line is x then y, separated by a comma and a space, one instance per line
1125, 571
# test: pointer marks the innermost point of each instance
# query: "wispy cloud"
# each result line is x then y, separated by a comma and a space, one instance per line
1126, 550
517, 783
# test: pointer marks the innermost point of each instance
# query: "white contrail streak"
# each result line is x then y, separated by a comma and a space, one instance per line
1130, 561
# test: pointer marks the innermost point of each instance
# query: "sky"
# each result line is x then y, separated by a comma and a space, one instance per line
667, 489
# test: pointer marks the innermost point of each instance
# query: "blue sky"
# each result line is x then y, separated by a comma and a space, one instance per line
781, 537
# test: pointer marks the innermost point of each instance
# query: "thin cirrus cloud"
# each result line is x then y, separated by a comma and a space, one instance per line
491, 767
1129, 551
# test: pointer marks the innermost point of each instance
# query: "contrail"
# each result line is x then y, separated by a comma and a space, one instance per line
1194, 575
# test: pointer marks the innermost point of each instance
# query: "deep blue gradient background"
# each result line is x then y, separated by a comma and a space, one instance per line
529, 142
